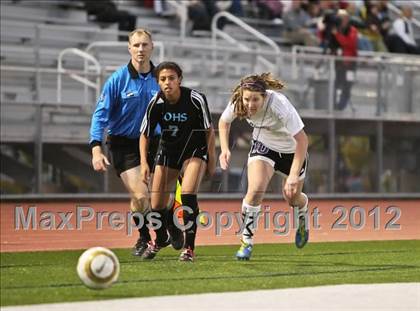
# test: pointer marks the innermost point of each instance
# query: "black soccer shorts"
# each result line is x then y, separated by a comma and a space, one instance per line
281, 162
176, 158
125, 152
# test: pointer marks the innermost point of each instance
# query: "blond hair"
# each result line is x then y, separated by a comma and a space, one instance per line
255, 83
140, 31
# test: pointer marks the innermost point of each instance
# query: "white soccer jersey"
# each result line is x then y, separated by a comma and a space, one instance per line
274, 124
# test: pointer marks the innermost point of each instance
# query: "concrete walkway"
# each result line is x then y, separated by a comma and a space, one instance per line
395, 297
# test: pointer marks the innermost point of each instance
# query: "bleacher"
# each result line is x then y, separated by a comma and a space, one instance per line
36, 34
33, 33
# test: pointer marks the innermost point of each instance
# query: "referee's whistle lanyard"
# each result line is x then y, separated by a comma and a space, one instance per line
262, 121
259, 131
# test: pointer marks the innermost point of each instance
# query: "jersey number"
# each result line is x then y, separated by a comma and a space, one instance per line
174, 130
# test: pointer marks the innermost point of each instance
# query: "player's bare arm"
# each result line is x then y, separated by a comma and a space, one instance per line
224, 158
292, 180
211, 165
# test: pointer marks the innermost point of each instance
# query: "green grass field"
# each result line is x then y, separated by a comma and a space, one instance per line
44, 277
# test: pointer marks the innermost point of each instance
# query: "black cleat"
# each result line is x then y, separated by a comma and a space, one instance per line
176, 237
154, 248
140, 247
187, 255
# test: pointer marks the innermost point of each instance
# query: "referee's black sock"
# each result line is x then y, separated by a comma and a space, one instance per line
143, 230
190, 200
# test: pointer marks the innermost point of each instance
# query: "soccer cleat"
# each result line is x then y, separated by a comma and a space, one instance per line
302, 234
176, 237
140, 247
187, 255
153, 249
244, 252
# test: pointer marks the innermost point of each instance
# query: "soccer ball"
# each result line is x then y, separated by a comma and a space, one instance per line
98, 268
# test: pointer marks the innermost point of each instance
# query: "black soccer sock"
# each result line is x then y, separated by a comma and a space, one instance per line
170, 217
161, 233
190, 200
143, 230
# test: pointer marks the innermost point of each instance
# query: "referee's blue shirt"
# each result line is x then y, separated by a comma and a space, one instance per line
122, 104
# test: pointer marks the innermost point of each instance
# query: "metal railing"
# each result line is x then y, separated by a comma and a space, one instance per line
182, 11
381, 70
258, 35
216, 32
104, 44
97, 68
112, 44
377, 73
85, 81
303, 49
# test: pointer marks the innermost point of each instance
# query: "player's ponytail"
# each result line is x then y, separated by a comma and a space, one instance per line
256, 83
271, 82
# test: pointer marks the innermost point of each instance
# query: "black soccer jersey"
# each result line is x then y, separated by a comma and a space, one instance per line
183, 124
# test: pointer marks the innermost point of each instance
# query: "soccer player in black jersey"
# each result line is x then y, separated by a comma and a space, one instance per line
187, 146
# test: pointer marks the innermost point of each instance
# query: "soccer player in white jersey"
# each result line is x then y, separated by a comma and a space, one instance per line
279, 145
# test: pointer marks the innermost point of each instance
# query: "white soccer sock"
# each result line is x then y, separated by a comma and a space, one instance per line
303, 209
249, 216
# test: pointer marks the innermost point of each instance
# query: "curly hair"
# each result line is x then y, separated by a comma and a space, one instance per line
168, 65
255, 83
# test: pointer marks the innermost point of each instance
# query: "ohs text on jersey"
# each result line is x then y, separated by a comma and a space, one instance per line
177, 117
182, 123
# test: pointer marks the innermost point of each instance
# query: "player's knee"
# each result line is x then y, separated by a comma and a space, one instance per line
140, 204
158, 204
254, 198
292, 201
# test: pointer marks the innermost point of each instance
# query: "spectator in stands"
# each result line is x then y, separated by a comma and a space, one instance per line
201, 12
401, 38
329, 5
236, 8
269, 9
315, 13
363, 43
296, 24
373, 25
346, 37
199, 15
106, 11
160, 7
120, 109
384, 17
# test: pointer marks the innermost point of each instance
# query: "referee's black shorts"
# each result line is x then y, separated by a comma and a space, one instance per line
125, 153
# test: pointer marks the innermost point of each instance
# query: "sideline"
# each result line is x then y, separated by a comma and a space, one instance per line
384, 297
